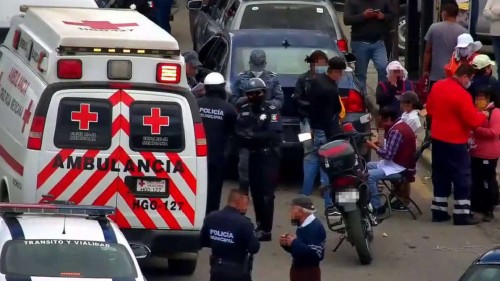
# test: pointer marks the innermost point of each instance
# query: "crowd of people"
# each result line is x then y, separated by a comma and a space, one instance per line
462, 111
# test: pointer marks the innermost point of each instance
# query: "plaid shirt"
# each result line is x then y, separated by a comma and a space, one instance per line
394, 140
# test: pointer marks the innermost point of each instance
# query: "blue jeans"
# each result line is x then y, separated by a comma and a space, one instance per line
162, 13
496, 48
311, 167
374, 176
365, 52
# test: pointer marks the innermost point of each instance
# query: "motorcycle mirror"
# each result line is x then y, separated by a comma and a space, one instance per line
194, 5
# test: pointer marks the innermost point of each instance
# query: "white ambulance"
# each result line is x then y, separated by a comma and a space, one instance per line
95, 109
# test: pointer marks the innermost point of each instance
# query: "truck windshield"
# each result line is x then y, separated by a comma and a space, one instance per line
66, 258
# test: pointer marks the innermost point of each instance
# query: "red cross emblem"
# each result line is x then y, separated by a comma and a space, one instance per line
101, 25
26, 115
84, 117
141, 183
156, 121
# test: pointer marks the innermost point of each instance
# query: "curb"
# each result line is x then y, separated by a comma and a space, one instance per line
426, 158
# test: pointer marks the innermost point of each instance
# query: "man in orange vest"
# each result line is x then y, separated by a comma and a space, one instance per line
465, 51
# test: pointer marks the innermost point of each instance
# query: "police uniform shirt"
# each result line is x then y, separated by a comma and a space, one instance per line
219, 119
230, 235
274, 93
265, 126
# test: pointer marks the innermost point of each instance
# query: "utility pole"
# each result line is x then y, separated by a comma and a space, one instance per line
412, 58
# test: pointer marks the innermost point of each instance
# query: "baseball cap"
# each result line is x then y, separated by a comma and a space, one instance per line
482, 61
304, 202
257, 60
192, 58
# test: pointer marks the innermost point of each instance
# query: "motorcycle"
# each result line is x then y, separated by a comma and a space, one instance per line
346, 169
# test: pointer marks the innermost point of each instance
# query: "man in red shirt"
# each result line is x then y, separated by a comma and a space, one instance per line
454, 116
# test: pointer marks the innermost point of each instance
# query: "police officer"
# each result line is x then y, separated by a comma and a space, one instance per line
195, 73
219, 118
258, 130
257, 63
230, 235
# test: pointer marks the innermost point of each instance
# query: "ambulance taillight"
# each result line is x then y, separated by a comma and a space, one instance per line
36, 133
201, 139
168, 73
69, 69
16, 39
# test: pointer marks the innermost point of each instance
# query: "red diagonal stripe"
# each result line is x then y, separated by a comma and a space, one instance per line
141, 214
93, 181
108, 193
170, 220
187, 209
115, 98
66, 181
166, 214
126, 98
120, 123
49, 169
16, 166
120, 220
186, 175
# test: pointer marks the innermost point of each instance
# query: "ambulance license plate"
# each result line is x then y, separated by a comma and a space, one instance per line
148, 186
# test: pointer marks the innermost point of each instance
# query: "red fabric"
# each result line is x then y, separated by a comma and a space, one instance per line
405, 156
452, 111
487, 138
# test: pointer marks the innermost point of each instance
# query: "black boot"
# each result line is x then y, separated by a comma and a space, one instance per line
465, 220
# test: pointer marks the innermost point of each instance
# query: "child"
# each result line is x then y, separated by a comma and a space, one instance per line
485, 151
410, 106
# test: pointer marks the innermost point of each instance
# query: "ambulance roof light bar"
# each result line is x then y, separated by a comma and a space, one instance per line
71, 51
63, 209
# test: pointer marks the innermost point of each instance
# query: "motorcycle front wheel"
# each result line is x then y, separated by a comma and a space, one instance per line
357, 236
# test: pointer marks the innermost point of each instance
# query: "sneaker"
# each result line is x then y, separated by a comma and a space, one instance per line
488, 217
398, 206
470, 220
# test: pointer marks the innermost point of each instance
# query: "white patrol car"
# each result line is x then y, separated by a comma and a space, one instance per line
96, 110
66, 242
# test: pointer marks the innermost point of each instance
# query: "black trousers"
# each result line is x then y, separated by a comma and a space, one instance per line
484, 194
263, 178
215, 183
451, 164
227, 273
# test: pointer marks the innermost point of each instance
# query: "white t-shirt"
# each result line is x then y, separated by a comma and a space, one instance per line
412, 119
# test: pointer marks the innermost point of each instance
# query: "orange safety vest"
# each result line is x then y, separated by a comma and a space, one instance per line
453, 64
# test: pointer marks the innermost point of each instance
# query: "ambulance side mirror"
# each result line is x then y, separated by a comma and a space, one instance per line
140, 251
194, 5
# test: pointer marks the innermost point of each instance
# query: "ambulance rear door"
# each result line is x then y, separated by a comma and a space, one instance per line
80, 150
161, 162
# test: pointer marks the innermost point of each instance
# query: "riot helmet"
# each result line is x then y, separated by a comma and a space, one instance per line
255, 91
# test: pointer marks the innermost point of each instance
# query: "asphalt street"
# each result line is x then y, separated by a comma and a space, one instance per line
403, 248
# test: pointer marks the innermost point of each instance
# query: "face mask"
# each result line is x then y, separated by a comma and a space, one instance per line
320, 69
468, 84
295, 222
257, 73
481, 104
464, 52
